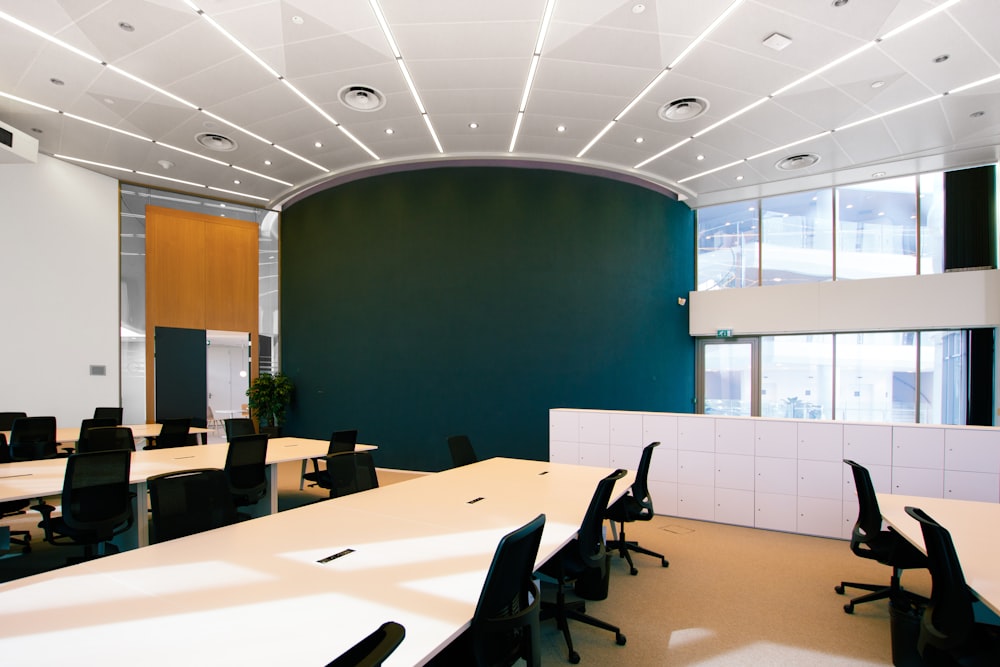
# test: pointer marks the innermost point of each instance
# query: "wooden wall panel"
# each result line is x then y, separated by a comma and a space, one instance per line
201, 273
231, 261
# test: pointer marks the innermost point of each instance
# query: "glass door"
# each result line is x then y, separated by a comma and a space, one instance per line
727, 376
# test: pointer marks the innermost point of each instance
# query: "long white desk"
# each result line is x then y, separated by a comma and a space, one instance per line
255, 593
974, 530
70, 434
38, 479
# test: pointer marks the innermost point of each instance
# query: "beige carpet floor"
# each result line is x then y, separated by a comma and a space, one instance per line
731, 597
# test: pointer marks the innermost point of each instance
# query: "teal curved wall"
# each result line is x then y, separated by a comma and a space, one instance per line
421, 304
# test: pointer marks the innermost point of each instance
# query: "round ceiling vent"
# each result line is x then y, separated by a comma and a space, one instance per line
683, 109
216, 142
362, 98
800, 161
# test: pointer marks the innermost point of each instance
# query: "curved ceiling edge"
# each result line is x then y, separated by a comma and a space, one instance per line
331, 181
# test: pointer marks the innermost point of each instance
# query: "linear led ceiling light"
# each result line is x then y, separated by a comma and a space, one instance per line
536, 55
384, 25
143, 82
837, 61
659, 77
270, 70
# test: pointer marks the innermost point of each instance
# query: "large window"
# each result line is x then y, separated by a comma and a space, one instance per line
889, 227
892, 377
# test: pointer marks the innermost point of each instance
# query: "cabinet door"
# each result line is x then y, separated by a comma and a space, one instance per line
564, 452
734, 471
776, 439
696, 433
664, 495
778, 476
735, 507
696, 468
822, 479
972, 450
595, 455
918, 482
821, 441
734, 436
625, 457
626, 428
595, 427
980, 486
868, 444
918, 447
663, 466
696, 502
881, 480
776, 511
820, 516
660, 428
564, 425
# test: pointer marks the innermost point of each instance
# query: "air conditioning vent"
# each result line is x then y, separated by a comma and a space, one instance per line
800, 161
16, 147
683, 109
216, 142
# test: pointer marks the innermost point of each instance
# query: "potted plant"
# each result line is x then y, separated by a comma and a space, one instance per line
269, 396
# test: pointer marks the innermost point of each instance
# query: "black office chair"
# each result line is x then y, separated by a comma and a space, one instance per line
14, 507
239, 426
246, 468
949, 634
33, 438
636, 505
583, 563
107, 438
190, 501
340, 441
888, 547
373, 649
96, 503
7, 419
350, 472
173, 433
85, 427
109, 413
461, 450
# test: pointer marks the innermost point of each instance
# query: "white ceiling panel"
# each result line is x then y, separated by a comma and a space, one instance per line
469, 61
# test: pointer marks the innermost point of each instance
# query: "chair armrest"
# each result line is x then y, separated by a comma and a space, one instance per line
46, 511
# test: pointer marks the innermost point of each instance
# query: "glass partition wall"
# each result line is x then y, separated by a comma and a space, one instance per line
133, 201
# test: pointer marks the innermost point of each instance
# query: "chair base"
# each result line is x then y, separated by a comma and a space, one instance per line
878, 592
23, 542
563, 610
623, 547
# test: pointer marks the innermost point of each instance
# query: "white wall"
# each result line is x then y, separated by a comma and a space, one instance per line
59, 289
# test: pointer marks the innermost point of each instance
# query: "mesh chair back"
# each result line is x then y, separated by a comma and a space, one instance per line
189, 502
33, 438
868, 526
114, 414
173, 432
640, 487
7, 419
343, 441
9, 506
350, 472
86, 425
4, 450
107, 438
461, 450
590, 538
239, 426
949, 619
246, 468
95, 494
373, 649
509, 601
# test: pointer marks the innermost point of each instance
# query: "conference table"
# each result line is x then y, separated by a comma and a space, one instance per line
38, 479
302, 586
974, 530
70, 434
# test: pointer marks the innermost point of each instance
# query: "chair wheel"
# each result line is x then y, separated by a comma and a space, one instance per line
620, 639
849, 608
664, 562
574, 657
839, 590
633, 571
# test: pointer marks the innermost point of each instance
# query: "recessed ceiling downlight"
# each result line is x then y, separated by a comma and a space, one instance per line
683, 109
361, 98
216, 142
800, 161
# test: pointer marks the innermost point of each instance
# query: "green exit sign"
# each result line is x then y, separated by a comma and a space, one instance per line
723, 333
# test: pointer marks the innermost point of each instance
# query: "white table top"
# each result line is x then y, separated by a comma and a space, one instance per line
68, 434
254, 593
973, 527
